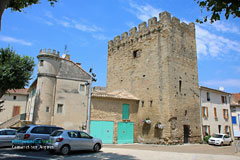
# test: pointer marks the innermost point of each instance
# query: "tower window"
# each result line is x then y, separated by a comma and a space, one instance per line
41, 62
208, 96
14, 97
82, 88
180, 86
47, 109
60, 108
136, 54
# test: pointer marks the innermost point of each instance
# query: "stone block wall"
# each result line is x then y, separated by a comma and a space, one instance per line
158, 63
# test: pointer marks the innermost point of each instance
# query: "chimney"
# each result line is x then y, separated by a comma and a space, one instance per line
67, 57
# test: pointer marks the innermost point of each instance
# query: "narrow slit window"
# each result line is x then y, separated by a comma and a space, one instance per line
136, 54
82, 88
180, 86
60, 108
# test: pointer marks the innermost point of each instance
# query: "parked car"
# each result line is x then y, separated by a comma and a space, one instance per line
6, 137
64, 141
34, 136
220, 139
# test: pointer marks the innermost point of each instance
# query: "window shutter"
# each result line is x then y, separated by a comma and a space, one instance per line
227, 113
223, 114
226, 129
204, 130
208, 130
202, 111
125, 111
207, 111
230, 133
215, 113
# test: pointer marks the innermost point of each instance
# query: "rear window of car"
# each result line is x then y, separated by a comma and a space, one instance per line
23, 129
56, 133
10, 132
44, 129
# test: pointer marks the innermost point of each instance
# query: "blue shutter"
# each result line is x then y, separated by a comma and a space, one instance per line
234, 120
125, 111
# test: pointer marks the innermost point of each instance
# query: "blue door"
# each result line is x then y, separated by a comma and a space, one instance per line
125, 132
102, 130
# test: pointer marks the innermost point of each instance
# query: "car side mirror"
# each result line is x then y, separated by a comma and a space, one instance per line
90, 137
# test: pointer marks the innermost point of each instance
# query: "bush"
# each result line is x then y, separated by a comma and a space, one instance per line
205, 139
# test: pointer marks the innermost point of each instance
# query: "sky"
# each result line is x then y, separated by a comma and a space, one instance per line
85, 27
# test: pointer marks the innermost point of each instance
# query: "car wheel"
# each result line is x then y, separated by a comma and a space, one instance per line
65, 150
221, 144
230, 143
96, 147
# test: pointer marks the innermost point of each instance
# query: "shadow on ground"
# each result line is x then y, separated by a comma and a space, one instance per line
17, 154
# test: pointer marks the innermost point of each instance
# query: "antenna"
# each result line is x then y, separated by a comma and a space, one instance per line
65, 49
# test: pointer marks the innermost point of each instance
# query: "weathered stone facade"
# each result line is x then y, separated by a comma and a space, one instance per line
60, 95
158, 64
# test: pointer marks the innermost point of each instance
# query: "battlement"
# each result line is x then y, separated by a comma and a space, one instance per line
166, 22
53, 53
49, 52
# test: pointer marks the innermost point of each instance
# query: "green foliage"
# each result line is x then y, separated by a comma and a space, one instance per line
206, 138
18, 5
15, 71
217, 7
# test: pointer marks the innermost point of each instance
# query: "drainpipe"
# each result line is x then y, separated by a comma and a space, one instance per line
53, 103
201, 123
89, 106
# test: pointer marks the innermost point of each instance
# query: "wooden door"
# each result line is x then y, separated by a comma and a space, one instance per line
16, 110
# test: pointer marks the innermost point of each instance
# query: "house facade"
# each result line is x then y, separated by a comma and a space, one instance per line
235, 111
158, 64
215, 111
60, 94
14, 105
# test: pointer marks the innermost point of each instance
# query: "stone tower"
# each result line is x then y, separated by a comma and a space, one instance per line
62, 91
158, 64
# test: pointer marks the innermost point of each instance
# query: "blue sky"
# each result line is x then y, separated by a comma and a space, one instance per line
87, 26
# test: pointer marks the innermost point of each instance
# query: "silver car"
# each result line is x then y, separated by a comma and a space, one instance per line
33, 136
64, 141
6, 137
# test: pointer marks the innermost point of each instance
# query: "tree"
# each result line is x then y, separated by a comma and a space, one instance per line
18, 5
217, 7
15, 71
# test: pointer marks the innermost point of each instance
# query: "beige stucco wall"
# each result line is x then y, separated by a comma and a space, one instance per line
9, 104
110, 109
215, 101
75, 104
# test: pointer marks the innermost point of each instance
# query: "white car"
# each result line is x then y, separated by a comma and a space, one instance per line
6, 137
220, 139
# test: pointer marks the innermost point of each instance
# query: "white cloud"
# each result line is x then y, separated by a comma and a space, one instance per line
224, 83
14, 40
226, 27
144, 12
214, 45
71, 23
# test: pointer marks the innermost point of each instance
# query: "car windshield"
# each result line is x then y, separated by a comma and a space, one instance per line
56, 133
23, 129
217, 136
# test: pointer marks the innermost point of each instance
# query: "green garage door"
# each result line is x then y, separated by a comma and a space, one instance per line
125, 132
102, 130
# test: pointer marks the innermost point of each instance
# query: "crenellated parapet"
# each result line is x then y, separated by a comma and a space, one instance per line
166, 23
49, 52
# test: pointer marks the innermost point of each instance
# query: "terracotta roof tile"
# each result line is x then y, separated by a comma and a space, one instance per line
236, 95
18, 91
119, 94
